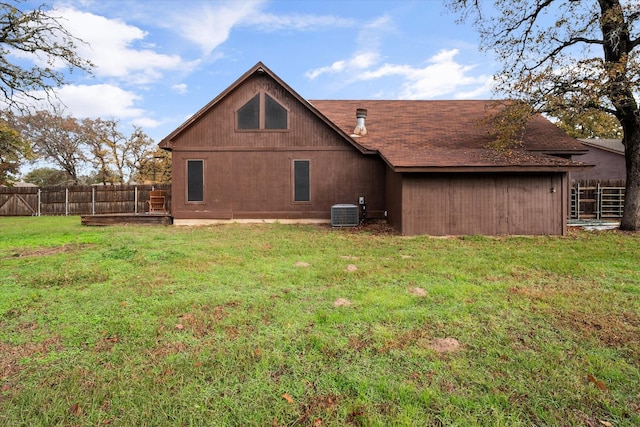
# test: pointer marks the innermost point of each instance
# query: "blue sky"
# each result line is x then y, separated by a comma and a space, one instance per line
158, 62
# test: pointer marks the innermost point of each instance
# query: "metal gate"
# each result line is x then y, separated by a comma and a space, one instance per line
596, 202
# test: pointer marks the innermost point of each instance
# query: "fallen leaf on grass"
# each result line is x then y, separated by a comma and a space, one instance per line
317, 422
75, 409
179, 326
606, 423
287, 397
598, 383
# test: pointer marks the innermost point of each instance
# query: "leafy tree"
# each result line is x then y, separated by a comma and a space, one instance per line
111, 150
155, 168
58, 139
40, 36
593, 124
46, 176
13, 151
577, 58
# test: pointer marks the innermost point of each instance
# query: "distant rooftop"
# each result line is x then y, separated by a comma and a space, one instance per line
614, 145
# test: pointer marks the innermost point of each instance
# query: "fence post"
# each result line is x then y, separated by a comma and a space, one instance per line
66, 201
598, 201
578, 201
93, 200
39, 201
135, 200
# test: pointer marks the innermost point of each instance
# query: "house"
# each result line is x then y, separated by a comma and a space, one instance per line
261, 151
607, 156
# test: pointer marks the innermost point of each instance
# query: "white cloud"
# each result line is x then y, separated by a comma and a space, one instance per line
358, 62
442, 75
180, 88
299, 22
146, 122
210, 25
111, 46
101, 100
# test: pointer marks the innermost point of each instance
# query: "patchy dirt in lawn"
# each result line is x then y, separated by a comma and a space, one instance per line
614, 330
71, 247
302, 264
418, 292
371, 226
587, 316
443, 345
14, 355
351, 268
341, 302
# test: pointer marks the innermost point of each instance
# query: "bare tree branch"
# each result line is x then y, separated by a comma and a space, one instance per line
41, 37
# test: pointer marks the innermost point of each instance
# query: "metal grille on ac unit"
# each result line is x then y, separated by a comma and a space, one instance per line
344, 215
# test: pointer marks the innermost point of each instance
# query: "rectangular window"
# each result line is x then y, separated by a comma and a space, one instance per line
195, 180
301, 187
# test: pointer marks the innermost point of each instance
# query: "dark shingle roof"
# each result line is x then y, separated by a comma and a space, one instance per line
613, 145
432, 134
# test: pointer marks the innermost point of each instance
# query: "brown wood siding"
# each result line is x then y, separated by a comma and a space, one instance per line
394, 198
218, 127
608, 165
259, 184
248, 174
484, 204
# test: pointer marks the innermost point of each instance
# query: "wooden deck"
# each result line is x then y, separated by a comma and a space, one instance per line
127, 219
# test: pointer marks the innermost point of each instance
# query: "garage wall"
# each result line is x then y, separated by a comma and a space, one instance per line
486, 204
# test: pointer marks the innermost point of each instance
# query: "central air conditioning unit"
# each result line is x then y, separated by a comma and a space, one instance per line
345, 216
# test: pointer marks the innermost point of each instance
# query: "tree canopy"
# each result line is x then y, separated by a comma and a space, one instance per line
573, 59
13, 151
41, 38
73, 145
36, 51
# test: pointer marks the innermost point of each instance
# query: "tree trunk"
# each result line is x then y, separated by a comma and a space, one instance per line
617, 47
631, 216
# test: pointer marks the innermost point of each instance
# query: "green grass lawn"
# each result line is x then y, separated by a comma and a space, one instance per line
281, 325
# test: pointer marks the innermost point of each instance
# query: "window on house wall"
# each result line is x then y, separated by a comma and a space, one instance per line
262, 112
249, 114
195, 180
301, 181
275, 115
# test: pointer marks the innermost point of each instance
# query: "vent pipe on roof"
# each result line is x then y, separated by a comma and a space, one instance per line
361, 115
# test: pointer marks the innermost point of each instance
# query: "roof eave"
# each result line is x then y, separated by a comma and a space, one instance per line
575, 152
490, 168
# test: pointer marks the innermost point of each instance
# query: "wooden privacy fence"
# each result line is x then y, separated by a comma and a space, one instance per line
597, 199
77, 200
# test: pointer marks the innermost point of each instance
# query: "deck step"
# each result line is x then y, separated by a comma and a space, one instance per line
124, 219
